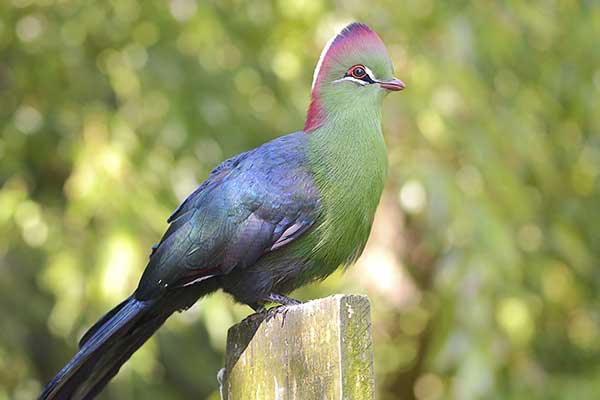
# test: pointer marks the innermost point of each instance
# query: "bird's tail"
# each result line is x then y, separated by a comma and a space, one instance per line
112, 340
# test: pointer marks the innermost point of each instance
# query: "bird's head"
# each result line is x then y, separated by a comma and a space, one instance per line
354, 73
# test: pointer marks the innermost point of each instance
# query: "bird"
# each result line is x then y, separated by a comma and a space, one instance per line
264, 222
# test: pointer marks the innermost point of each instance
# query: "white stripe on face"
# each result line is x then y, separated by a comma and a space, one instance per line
351, 79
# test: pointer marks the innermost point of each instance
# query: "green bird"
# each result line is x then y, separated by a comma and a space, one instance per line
265, 222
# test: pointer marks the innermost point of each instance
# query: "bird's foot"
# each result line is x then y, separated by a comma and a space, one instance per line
261, 306
274, 312
281, 299
267, 314
286, 303
264, 314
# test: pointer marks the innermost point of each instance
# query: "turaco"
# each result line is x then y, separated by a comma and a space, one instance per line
265, 222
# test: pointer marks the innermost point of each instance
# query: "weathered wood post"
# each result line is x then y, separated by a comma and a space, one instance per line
321, 349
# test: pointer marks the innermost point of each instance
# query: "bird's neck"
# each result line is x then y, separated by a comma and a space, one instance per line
348, 141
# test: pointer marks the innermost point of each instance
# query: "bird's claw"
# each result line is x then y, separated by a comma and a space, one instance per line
273, 312
267, 314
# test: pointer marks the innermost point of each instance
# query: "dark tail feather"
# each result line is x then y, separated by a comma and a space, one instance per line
113, 339
102, 321
99, 357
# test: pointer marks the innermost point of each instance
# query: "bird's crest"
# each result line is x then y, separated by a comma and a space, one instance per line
356, 37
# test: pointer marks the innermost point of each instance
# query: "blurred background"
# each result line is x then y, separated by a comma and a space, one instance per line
482, 266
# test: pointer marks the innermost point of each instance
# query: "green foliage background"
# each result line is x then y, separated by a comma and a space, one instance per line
482, 267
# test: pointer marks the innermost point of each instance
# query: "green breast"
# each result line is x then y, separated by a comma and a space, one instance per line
349, 165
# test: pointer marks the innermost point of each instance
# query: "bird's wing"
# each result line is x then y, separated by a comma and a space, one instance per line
250, 205
214, 179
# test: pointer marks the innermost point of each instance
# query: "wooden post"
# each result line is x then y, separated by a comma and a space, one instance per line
321, 349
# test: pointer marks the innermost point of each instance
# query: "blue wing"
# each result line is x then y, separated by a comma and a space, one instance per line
250, 205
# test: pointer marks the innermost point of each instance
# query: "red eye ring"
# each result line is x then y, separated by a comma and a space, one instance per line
358, 71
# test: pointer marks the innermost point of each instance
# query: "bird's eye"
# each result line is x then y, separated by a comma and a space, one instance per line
358, 72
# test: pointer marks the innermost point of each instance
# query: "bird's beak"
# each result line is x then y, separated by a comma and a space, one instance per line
394, 85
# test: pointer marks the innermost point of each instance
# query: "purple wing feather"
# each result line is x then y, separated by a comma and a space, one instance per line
252, 204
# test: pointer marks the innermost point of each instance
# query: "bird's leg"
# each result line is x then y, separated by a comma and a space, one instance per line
284, 301
281, 299
261, 309
260, 306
